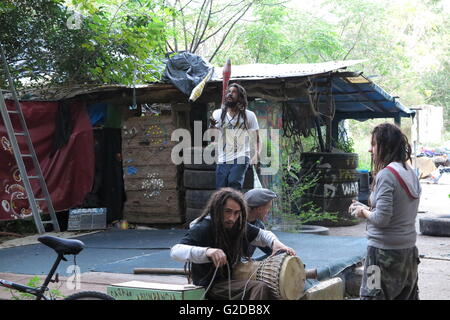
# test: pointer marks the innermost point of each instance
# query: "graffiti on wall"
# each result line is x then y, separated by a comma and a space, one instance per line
152, 185
147, 135
16, 202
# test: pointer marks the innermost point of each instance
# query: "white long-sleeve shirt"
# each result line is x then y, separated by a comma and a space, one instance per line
196, 254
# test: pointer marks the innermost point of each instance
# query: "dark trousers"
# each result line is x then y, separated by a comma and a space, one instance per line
390, 274
255, 290
232, 174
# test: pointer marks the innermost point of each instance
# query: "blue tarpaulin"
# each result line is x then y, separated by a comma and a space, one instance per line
120, 251
97, 113
355, 96
359, 98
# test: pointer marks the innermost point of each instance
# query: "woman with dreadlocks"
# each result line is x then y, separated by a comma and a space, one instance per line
390, 270
238, 127
217, 241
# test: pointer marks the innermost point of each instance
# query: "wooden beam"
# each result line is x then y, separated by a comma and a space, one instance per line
346, 74
397, 120
363, 94
365, 115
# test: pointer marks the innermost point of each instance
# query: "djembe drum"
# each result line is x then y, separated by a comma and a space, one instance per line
284, 274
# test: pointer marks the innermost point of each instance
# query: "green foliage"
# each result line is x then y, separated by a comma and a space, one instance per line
21, 226
112, 43
406, 42
292, 187
361, 133
347, 145
436, 89
278, 34
34, 282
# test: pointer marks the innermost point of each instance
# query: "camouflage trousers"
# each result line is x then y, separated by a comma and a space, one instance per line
390, 274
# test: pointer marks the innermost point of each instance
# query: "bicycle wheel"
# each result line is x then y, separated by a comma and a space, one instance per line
89, 295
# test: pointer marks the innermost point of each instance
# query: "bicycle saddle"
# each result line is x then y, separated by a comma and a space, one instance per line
62, 246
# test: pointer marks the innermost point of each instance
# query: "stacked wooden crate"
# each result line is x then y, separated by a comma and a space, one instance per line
150, 176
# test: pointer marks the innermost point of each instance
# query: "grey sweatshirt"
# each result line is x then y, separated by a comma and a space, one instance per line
391, 225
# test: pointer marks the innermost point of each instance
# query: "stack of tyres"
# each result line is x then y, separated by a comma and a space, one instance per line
337, 186
199, 180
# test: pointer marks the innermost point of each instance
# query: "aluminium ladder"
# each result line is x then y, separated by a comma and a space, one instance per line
20, 155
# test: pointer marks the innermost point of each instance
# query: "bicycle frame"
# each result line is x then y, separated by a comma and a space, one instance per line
39, 293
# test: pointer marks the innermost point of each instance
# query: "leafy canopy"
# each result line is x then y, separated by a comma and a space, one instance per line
48, 41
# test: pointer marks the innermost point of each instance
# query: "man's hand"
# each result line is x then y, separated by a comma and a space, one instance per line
277, 246
218, 257
212, 122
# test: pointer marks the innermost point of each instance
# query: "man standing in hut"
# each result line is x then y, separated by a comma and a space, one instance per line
238, 127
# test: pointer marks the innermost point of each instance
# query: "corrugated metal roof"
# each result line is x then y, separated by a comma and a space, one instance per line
267, 71
59, 93
256, 71
353, 95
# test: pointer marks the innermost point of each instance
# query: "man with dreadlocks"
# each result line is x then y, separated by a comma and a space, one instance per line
218, 241
237, 125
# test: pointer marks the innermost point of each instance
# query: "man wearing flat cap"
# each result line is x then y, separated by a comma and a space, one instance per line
259, 202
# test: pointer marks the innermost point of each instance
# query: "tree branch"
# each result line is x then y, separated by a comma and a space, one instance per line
356, 40
229, 30
181, 9
175, 34
206, 26
228, 6
197, 24
183, 23
344, 26
223, 25
170, 47
274, 4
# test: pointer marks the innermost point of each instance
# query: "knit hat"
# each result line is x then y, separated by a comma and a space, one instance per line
259, 197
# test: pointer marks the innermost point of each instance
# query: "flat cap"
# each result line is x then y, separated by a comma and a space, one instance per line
259, 197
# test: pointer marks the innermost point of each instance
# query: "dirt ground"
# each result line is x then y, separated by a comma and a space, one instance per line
434, 269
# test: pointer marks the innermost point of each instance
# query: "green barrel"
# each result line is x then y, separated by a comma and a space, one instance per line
336, 187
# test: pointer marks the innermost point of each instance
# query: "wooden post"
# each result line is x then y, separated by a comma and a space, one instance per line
329, 135
181, 115
335, 130
397, 120
329, 120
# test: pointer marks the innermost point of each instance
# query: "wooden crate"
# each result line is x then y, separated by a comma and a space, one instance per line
150, 176
153, 208
87, 219
138, 290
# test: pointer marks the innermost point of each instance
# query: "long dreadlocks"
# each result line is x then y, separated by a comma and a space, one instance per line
242, 104
392, 145
233, 241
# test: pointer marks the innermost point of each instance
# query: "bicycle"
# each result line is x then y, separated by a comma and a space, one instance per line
62, 247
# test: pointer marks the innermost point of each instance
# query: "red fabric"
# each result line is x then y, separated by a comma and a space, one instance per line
69, 173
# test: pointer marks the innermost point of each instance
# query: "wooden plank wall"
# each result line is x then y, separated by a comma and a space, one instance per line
151, 178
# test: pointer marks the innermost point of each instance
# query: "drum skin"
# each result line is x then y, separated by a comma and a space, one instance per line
284, 274
292, 278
